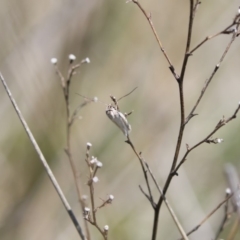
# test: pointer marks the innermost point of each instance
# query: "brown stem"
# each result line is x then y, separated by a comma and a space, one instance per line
44, 162
91, 189
224, 220
224, 31
149, 19
182, 125
233, 230
220, 124
66, 91
150, 197
209, 215
192, 114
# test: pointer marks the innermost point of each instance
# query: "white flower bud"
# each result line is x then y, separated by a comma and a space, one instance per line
88, 145
95, 99
95, 179
87, 60
99, 164
106, 228
86, 210
93, 160
72, 57
111, 197
54, 61
219, 140
228, 191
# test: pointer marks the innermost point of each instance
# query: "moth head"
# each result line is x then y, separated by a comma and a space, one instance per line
111, 111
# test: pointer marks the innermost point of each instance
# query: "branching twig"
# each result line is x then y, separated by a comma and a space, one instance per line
226, 30
92, 218
43, 161
209, 215
76, 111
225, 217
149, 19
233, 182
192, 114
105, 202
175, 219
182, 125
219, 125
65, 83
149, 196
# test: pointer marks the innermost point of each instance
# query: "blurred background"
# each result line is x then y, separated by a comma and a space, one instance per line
124, 54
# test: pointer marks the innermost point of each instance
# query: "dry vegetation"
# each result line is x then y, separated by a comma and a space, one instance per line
175, 174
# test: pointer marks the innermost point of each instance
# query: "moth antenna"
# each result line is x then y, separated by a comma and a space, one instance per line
127, 94
91, 99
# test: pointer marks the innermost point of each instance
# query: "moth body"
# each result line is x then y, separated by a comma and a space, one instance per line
119, 119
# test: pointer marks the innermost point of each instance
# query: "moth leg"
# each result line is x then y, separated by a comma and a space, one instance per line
115, 102
127, 114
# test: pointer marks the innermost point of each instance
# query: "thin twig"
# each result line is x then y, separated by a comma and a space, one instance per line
192, 114
170, 209
69, 121
226, 30
93, 218
233, 182
150, 197
209, 215
76, 111
149, 19
195, 8
225, 217
234, 230
189, 38
43, 161
182, 125
105, 202
219, 125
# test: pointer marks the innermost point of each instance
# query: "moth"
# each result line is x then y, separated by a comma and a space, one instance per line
116, 116
119, 119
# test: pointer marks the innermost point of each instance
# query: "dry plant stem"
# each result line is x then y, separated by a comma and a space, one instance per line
175, 219
220, 124
195, 8
233, 182
180, 79
224, 220
69, 121
182, 125
192, 114
180, 83
74, 115
209, 215
149, 19
189, 37
149, 196
209, 38
235, 21
43, 161
93, 221
102, 205
233, 230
